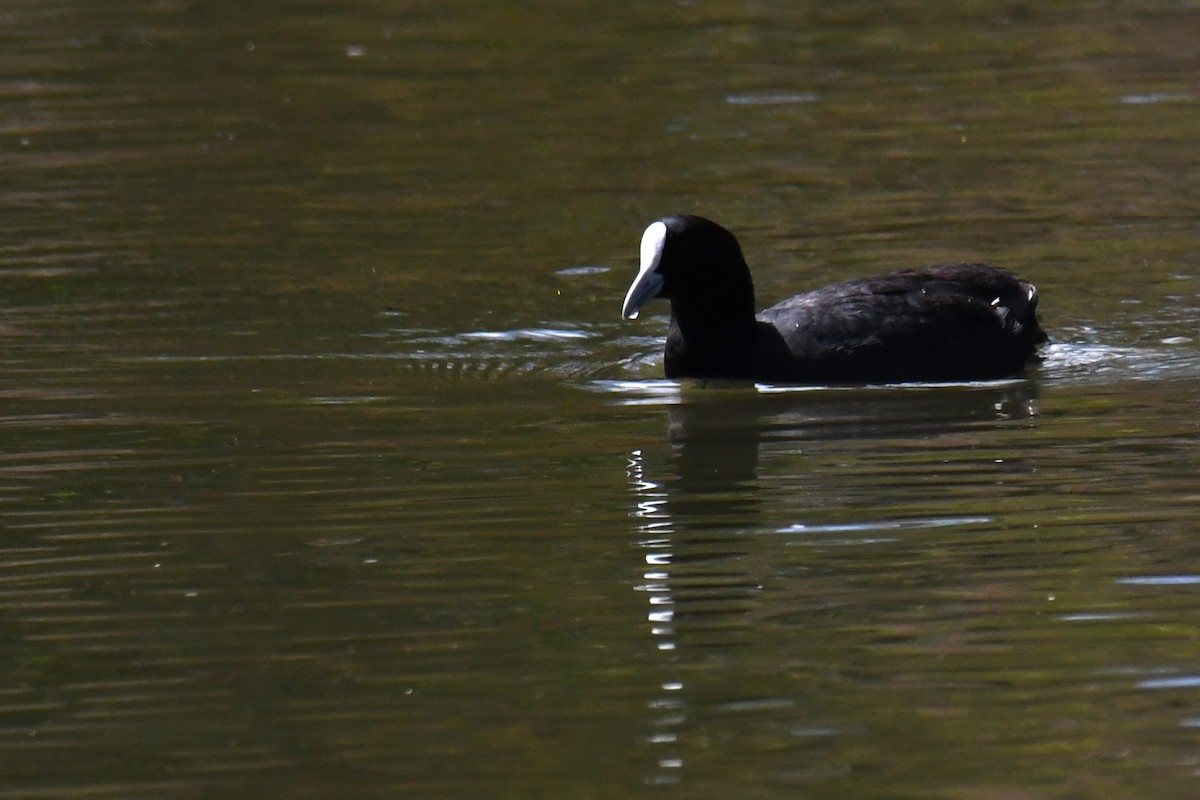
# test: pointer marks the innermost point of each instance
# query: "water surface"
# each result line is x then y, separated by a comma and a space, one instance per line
329, 468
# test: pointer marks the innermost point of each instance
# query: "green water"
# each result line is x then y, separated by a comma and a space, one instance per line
328, 468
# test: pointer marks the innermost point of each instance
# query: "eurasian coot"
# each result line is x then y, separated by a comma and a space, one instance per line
949, 322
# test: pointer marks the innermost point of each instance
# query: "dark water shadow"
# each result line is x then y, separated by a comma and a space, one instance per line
696, 494
716, 435
707, 421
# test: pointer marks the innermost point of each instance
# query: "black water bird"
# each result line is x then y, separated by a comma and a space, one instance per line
943, 323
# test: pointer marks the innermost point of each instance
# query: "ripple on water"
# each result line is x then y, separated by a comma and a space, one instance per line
1099, 616
867, 532
527, 334
771, 98
1079, 363
1160, 580
583, 269
639, 392
1155, 98
566, 352
608, 360
1172, 682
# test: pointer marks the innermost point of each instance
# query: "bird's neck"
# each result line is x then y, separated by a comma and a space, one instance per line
727, 313
704, 345
715, 327
714, 322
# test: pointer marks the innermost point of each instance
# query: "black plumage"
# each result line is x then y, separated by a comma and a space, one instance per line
949, 322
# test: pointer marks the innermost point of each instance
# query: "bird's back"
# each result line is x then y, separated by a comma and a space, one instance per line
949, 322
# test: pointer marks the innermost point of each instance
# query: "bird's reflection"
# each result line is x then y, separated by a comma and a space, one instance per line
694, 495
